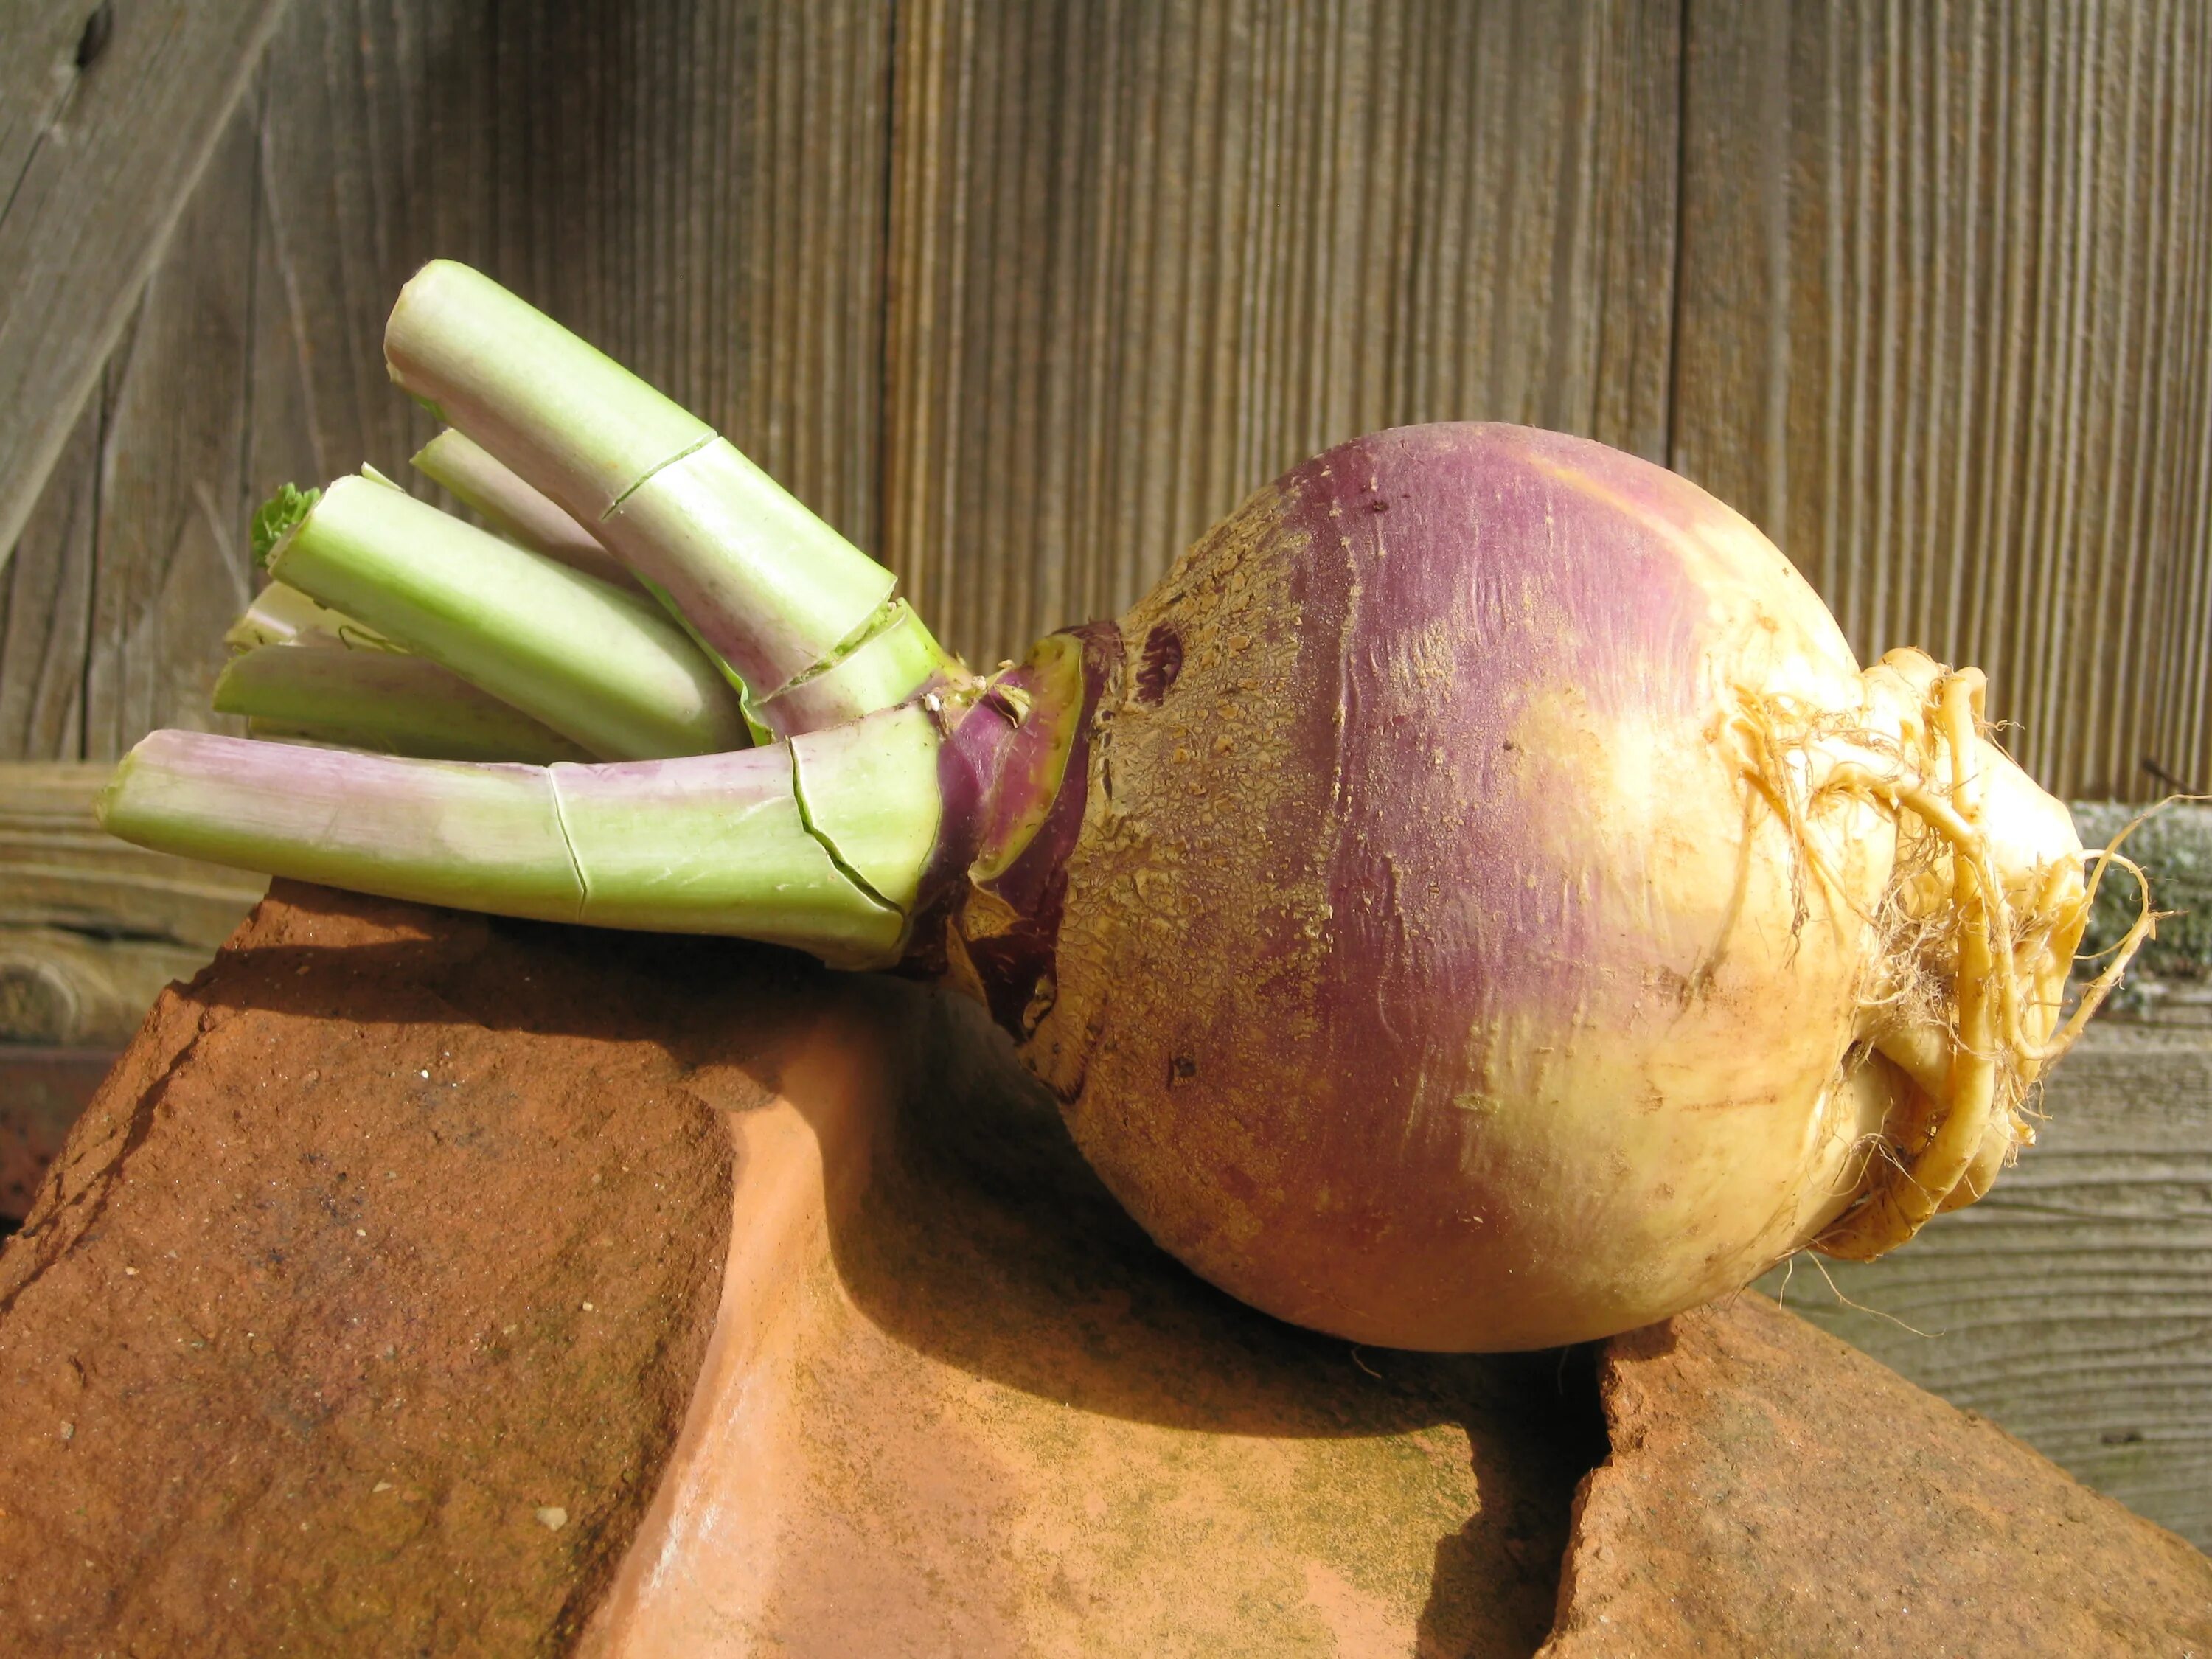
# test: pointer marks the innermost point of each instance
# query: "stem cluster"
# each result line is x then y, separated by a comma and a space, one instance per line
554, 715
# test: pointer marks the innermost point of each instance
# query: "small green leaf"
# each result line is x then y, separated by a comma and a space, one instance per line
277, 515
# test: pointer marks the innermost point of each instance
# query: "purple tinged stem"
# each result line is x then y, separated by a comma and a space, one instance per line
818, 843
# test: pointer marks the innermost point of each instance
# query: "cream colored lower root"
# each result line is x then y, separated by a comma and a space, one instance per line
1973, 1070
1999, 1136
1900, 1201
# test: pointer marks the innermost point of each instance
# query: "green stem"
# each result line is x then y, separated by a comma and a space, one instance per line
729, 844
381, 700
894, 657
605, 668
443, 832
767, 586
515, 511
819, 843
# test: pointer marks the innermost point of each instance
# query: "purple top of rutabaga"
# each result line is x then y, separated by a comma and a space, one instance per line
1461, 607
1415, 766
1006, 787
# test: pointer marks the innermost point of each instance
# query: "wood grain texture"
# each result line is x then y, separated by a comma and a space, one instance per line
133, 563
74, 989
1945, 315
2074, 1303
113, 148
1146, 257
36, 76
91, 929
1728, 401
697, 189
45, 602
37, 72
170, 570
59, 869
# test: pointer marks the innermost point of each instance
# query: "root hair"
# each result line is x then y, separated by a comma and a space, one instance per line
1968, 976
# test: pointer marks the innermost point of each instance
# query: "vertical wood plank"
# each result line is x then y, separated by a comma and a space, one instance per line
1943, 334
170, 569
37, 72
1731, 366
1146, 257
697, 189
46, 606
376, 155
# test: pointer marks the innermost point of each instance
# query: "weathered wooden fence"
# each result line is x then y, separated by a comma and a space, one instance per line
1023, 295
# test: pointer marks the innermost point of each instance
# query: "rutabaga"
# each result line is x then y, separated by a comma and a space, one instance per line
1476, 900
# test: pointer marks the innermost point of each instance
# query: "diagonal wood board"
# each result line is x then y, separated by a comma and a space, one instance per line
108, 112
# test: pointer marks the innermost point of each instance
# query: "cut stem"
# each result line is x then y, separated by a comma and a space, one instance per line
443, 832
385, 701
769, 589
606, 669
820, 843
285, 615
515, 512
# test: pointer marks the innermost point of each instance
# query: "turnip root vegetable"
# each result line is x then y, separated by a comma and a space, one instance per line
1475, 902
